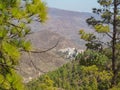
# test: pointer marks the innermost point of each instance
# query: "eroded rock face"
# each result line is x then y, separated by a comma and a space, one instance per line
69, 53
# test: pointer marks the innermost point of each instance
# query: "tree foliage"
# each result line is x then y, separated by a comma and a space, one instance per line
45, 83
108, 25
80, 74
14, 17
91, 57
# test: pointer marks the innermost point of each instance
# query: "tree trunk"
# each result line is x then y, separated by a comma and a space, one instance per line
114, 43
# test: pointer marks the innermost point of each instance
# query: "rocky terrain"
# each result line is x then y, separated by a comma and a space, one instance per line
35, 64
62, 26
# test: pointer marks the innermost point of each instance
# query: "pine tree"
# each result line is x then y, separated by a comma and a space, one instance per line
14, 17
109, 18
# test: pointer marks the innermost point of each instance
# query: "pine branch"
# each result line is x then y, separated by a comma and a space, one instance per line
14, 25
46, 49
109, 35
5, 65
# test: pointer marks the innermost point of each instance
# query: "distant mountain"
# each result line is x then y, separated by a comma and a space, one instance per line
61, 25
65, 23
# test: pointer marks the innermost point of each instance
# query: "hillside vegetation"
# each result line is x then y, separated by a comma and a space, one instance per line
90, 71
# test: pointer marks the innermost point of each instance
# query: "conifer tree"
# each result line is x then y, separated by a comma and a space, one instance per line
14, 17
110, 17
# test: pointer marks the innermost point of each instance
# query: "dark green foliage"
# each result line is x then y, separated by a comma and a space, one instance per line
77, 75
91, 57
44, 83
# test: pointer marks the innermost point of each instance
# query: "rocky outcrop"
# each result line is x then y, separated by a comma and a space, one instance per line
69, 53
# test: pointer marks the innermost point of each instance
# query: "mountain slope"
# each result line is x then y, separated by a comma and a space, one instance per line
34, 64
61, 25
65, 23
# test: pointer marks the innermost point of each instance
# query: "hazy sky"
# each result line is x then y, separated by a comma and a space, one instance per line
74, 5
